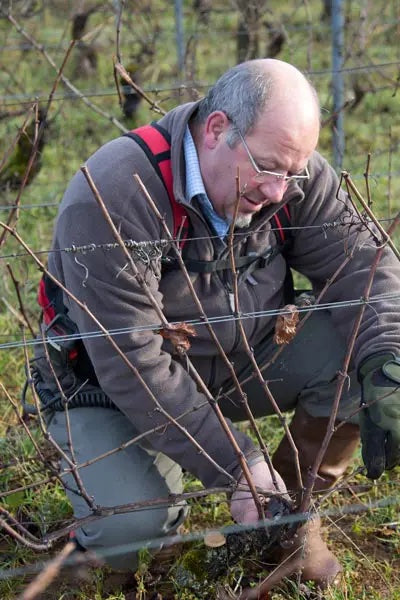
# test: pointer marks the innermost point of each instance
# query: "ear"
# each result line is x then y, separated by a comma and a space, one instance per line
216, 125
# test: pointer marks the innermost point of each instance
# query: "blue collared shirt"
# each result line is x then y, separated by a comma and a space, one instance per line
195, 186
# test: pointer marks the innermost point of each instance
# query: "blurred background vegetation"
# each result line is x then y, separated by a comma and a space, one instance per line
215, 36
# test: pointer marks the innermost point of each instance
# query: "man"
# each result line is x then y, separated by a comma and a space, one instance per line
261, 119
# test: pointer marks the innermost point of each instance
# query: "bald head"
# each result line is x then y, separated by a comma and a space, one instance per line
256, 87
284, 79
289, 91
292, 102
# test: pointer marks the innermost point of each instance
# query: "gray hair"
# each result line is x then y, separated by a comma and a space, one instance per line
241, 93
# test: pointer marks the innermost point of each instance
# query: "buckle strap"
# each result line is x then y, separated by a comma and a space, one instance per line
252, 262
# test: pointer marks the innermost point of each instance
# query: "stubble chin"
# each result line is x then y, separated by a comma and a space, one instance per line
243, 220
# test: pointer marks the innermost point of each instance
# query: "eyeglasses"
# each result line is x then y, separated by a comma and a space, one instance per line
262, 174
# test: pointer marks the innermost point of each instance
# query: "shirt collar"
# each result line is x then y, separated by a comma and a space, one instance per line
194, 180
195, 186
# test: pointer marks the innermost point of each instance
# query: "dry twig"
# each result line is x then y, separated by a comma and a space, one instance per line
119, 68
20, 303
39, 133
204, 389
64, 79
342, 376
43, 580
120, 353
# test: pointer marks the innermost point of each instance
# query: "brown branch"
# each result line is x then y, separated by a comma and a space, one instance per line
357, 211
120, 353
389, 184
137, 438
73, 468
344, 373
138, 276
118, 87
20, 303
118, 31
366, 405
286, 568
22, 422
28, 486
250, 354
193, 371
20, 538
298, 329
385, 234
125, 75
204, 389
17, 525
64, 79
258, 371
253, 361
43, 580
170, 500
153, 302
86, 463
107, 511
39, 133
307, 315
70, 461
293, 565
366, 177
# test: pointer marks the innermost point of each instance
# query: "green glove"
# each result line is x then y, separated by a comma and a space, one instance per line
379, 376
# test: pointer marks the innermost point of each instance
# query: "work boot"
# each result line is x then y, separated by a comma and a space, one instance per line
308, 433
307, 553
316, 563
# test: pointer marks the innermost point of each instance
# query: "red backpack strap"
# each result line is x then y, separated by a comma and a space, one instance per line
155, 142
281, 220
45, 302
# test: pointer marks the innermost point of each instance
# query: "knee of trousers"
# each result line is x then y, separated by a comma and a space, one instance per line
118, 539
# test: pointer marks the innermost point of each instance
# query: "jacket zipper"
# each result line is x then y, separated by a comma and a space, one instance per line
227, 282
223, 278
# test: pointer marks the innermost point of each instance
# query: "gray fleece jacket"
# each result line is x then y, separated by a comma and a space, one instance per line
109, 289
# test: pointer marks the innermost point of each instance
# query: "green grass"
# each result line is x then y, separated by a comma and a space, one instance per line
368, 548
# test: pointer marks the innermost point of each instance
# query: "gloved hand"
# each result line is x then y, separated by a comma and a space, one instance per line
379, 376
243, 509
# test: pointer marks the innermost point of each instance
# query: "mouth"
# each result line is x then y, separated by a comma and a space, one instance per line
248, 205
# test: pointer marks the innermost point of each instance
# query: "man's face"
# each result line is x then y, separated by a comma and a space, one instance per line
277, 143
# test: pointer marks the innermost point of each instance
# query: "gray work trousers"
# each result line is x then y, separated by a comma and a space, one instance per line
304, 373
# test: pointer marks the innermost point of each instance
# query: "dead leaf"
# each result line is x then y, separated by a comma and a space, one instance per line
285, 327
178, 335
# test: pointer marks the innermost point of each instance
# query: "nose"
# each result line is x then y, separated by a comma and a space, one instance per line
274, 189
